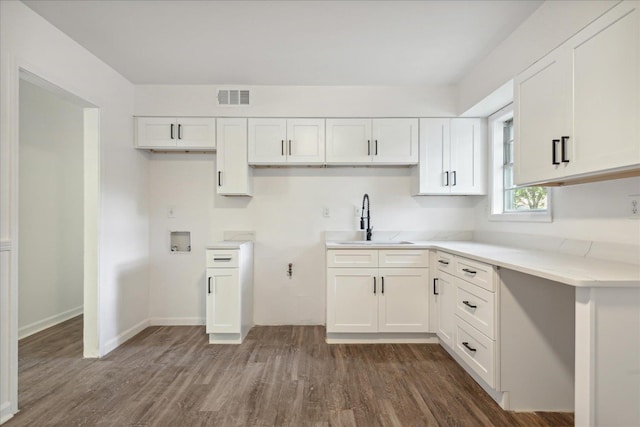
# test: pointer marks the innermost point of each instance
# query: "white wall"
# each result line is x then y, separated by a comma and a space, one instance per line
51, 209
28, 41
549, 26
597, 212
286, 210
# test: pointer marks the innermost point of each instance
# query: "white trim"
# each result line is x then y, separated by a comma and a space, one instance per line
419, 338
176, 321
5, 245
5, 412
496, 186
48, 322
116, 342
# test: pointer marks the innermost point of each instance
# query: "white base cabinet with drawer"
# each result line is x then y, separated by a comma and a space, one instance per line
377, 291
229, 292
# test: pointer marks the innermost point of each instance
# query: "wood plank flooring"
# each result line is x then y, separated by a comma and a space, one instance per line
280, 376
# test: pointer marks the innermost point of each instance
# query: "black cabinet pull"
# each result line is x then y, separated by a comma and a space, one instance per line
368, 147
441, 261
435, 292
446, 174
282, 147
466, 270
179, 131
469, 304
171, 130
455, 180
209, 285
219, 178
554, 160
289, 147
382, 285
564, 149
374, 285
222, 259
376, 147
466, 344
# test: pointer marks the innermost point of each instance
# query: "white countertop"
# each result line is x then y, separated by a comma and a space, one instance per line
228, 244
568, 269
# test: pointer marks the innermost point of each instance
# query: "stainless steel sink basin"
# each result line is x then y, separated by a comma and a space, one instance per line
374, 243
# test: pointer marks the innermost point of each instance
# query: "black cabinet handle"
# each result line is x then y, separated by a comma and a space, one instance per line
466, 344
469, 304
441, 261
209, 285
382, 285
171, 130
564, 149
289, 147
446, 174
435, 292
282, 147
219, 178
376, 147
368, 147
374, 285
179, 131
222, 259
554, 160
455, 180
466, 270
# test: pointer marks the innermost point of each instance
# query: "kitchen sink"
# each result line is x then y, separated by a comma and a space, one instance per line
374, 243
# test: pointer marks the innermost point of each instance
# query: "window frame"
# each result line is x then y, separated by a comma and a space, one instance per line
496, 175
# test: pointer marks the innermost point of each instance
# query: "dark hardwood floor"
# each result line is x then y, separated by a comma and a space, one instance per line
280, 376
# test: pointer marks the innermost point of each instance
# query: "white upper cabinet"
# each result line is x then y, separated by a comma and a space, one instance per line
577, 111
380, 141
452, 157
233, 177
286, 141
171, 133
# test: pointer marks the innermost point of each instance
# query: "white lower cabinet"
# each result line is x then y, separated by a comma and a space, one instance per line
365, 298
477, 350
229, 292
444, 290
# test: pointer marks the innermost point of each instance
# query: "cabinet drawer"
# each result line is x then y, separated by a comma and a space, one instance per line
476, 306
478, 273
403, 258
476, 350
445, 262
222, 258
352, 258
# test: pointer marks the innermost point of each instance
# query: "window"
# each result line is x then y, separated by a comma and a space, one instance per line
507, 201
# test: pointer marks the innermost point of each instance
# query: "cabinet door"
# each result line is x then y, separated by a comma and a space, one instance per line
403, 303
156, 132
468, 157
234, 174
305, 141
267, 141
606, 97
223, 300
352, 300
446, 303
433, 169
541, 116
349, 141
395, 141
196, 133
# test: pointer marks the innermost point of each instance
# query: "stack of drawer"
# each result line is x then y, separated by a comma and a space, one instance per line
475, 317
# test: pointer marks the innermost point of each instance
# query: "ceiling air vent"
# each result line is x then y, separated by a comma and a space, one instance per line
232, 97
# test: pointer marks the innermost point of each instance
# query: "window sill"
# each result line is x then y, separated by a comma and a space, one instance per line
522, 217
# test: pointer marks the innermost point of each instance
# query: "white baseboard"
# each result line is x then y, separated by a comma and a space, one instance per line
381, 338
176, 321
5, 412
116, 342
50, 321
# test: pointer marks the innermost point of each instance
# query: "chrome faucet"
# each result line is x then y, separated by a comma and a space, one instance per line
369, 229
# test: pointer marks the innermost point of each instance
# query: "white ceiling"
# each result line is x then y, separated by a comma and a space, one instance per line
288, 42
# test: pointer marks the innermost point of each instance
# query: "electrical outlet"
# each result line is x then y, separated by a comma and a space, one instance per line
326, 212
171, 211
634, 206
357, 212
